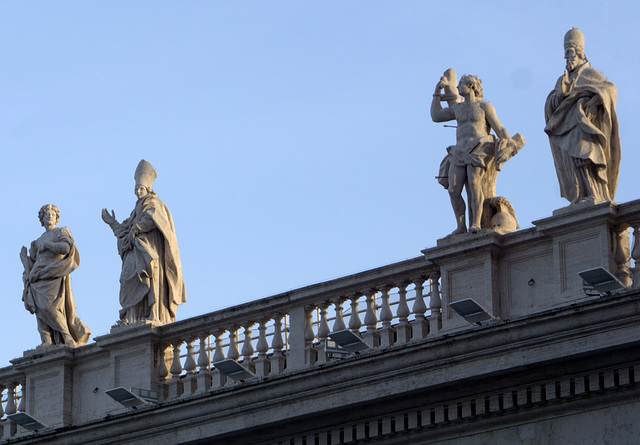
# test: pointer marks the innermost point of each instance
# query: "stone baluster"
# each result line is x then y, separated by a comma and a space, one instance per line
310, 355
2, 388
163, 373
203, 378
635, 254
23, 399
387, 333
247, 349
419, 326
323, 333
218, 379
262, 347
175, 385
232, 352
3, 423
371, 336
11, 398
338, 323
10, 429
622, 254
354, 320
403, 330
435, 305
278, 357
189, 383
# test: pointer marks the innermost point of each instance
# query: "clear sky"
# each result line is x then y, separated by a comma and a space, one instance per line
292, 139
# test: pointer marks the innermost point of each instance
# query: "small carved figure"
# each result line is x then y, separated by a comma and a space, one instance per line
47, 283
474, 162
151, 284
582, 124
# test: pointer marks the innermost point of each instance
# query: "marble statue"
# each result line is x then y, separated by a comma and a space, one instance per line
474, 161
582, 125
47, 283
151, 284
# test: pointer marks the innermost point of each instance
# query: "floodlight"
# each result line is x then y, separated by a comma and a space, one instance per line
348, 341
470, 311
234, 370
600, 280
26, 421
132, 398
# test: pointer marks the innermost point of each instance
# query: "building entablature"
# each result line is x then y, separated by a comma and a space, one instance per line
422, 367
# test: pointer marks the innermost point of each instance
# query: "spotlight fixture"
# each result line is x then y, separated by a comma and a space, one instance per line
599, 280
471, 311
346, 340
233, 370
133, 397
26, 421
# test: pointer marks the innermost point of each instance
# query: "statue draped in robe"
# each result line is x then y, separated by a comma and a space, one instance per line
151, 284
47, 283
582, 125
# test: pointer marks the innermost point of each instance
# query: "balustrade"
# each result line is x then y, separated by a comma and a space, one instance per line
388, 308
263, 341
627, 256
635, 254
12, 400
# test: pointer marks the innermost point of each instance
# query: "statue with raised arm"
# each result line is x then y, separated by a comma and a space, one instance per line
47, 283
582, 125
474, 161
151, 284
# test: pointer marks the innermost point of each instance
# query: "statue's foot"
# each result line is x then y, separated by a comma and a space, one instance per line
474, 228
458, 231
45, 344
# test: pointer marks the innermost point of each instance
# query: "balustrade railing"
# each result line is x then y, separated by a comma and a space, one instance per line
12, 399
627, 244
388, 306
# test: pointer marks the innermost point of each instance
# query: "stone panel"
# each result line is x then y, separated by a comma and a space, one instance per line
90, 383
45, 391
578, 254
529, 284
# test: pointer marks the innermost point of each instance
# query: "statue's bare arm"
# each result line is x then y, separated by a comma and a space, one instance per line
439, 114
494, 122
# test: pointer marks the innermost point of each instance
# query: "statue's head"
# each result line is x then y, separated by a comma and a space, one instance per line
51, 212
474, 83
574, 48
145, 175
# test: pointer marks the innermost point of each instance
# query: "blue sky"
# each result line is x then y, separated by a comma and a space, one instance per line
292, 139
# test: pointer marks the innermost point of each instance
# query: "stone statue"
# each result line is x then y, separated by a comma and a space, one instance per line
477, 157
47, 283
151, 284
581, 121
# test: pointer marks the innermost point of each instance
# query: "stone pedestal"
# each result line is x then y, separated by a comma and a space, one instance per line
470, 269
49, 384
583, 238
531, 270
134, 355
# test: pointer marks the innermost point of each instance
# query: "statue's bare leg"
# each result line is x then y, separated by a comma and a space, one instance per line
457, 179
476, 197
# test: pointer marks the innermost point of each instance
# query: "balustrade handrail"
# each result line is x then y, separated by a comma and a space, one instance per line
309, 295
10, 374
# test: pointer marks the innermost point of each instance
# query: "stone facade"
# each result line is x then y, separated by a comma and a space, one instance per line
555, 365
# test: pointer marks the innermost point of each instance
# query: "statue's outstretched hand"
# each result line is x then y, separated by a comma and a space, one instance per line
109, 218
